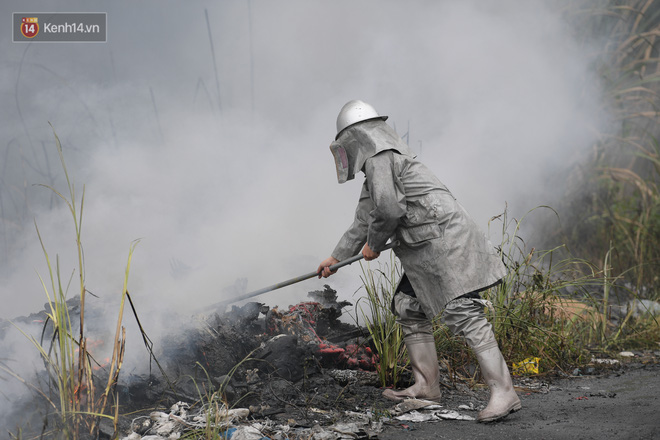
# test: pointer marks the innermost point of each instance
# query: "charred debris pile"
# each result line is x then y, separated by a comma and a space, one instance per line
294, 368
267, 357
283, 372
290, 372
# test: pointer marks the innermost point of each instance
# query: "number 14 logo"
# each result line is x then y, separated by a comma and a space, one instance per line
30, 27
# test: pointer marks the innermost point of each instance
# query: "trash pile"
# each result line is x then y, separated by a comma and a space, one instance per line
277, 373
234, 424
256, 372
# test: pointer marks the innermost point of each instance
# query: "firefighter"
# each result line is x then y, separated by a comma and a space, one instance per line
446, 258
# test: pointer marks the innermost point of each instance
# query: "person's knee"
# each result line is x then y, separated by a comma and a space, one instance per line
410, 316
416, 331
465, 317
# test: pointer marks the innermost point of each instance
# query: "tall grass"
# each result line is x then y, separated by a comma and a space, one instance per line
615, 195
65, 354
540, 308
386, 334
553, 305
550, 305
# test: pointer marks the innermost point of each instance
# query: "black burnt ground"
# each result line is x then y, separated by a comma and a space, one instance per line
278, 361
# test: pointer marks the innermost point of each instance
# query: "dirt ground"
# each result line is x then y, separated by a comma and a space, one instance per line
294, 384
624, 405
614, 404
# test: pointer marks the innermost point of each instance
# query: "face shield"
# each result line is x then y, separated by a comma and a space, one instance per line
361, 141
341, 162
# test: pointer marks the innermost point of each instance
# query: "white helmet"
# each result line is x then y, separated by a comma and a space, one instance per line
353, 112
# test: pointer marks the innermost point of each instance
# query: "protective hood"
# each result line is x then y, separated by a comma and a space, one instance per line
361, 141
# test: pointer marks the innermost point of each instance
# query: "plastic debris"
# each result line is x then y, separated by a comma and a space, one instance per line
604, 361
416, 416
627, 354
533, 385
247, 433
426, 415
345, 428
527, 366
413, 404
182, 421
453, 415
420, 410
642, 307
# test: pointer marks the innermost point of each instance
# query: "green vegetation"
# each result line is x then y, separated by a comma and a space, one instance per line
549, 306
214, 413
72, 389
612, 200
386, 335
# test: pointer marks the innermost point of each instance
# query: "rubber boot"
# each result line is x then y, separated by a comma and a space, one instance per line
424, 362
503, 398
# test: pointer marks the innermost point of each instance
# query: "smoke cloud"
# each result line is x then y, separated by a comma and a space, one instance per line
228, 176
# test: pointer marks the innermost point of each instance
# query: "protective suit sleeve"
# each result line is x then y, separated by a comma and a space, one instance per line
355, 237
388, 199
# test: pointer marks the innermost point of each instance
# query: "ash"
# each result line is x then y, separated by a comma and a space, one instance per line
256, 372
281, 373
293, 371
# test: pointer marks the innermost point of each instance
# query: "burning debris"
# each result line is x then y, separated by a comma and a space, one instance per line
256, 371
297, 370
267, 344
276, 373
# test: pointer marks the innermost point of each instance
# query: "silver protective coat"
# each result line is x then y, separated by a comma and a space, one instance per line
441, 249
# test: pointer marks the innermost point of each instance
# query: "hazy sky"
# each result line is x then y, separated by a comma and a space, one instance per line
236, 181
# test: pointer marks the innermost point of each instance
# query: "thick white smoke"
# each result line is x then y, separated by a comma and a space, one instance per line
238, 181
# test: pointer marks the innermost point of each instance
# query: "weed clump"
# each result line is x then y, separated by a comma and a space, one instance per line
550, 306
